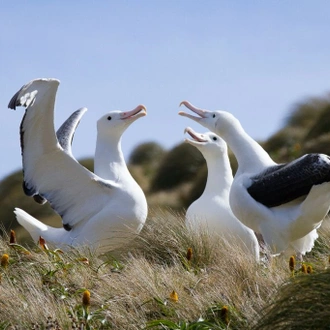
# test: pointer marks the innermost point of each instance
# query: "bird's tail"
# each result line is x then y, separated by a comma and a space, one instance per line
306, 243
35, 227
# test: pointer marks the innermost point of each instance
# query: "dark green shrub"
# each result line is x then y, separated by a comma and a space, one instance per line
179, 165
146, 153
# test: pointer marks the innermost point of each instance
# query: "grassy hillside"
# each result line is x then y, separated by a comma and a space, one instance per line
157, 284
219, 287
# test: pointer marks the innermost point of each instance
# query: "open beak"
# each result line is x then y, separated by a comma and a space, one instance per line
197, 138
200, 112
138, 112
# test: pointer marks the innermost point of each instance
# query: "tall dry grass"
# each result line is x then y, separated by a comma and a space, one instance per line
151, 280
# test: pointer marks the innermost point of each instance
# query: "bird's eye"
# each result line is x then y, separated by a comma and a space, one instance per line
214, 138
109, 118
214, 115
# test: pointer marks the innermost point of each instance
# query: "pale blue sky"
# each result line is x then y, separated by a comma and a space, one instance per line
255, 59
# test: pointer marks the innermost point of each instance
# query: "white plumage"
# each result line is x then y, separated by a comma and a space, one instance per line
102, 210
212, 209
64, 136
286, 203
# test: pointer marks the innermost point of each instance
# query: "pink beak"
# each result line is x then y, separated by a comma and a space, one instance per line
202, 113
138, 112
197, 137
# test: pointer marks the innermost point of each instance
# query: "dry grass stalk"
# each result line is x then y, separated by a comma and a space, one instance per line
12, 238
132, 288
292, 263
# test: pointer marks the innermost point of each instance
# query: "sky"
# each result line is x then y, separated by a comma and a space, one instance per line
255, 59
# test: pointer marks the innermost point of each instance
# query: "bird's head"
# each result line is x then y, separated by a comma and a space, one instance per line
115, 122
207, 142
216, 121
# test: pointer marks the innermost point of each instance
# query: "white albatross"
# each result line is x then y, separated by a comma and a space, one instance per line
212, 209
102, 211
285, 203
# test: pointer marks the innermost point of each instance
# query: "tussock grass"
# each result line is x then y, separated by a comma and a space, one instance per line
303, 303
220, 287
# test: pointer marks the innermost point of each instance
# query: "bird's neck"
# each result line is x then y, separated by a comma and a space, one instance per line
220, 176
251, 157
109, 162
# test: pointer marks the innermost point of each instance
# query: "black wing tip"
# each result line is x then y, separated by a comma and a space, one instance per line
32, 192
67, 227
67, 130
83, 109
75, 117
39, 199
28, 191
14, 102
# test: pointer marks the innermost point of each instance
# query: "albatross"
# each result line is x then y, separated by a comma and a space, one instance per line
285, 203
212, 208
102, 209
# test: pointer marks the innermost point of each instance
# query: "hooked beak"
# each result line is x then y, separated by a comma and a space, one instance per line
138, 112
197, 138
202, 113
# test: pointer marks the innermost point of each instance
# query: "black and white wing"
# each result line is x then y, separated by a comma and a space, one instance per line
64, 136
284, 183
66, 132
74, 192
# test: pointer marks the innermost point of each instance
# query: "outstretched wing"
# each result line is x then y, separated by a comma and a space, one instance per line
64, 136
26, 97
66, 132
75, 193
285, 183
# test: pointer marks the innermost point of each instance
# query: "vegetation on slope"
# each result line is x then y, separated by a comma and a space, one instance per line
170, 278
153, 283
